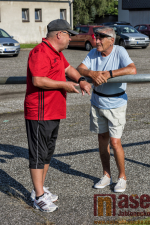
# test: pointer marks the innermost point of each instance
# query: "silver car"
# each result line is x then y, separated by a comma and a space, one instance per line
8, 45
128, 36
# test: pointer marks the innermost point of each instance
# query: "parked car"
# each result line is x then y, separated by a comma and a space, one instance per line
143, 28
8, 45
128, 36
116, 22
85, 38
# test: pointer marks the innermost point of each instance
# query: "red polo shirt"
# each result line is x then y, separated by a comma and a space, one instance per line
41, 104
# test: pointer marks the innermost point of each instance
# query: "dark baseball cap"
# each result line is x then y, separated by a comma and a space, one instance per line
58, 25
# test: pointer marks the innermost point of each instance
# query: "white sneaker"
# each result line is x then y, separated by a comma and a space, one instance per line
52, 197
44, 204
121, 185
104, 181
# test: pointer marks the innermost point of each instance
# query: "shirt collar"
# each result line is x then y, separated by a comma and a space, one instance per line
49, 44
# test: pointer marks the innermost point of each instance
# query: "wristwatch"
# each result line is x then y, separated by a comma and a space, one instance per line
81, 79
110, 71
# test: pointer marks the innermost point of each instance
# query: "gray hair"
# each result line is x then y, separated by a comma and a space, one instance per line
109, 30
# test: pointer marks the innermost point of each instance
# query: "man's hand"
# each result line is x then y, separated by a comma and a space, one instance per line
85, 86
100, 77
70, 87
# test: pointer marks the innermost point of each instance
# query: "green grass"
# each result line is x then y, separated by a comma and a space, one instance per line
28, 45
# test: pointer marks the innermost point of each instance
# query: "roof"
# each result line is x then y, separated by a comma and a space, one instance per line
135, 4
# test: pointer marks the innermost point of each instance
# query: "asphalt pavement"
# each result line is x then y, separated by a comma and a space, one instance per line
75, 166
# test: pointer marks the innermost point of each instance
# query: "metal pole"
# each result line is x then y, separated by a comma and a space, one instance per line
12, 80
139, 78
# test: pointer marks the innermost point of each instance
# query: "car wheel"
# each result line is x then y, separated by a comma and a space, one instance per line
15, 55
121, 43
144, 47
88, 46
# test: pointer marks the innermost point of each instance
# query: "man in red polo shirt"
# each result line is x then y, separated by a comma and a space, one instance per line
45, 104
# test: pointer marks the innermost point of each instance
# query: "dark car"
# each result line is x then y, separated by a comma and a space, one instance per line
85, 38
8, 45
128, 36
114, 23
143, 28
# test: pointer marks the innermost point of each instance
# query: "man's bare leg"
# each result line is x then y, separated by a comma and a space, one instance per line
119, 156
46, 166
37, 179
104, 151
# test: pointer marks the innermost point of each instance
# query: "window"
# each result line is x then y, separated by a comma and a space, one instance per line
63, 14
136, 27
77, 29
25, 15
3, 34
38, 15
115, 29
84, 30
127, 29
143, 27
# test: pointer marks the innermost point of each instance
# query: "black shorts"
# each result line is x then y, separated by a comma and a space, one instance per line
42, 137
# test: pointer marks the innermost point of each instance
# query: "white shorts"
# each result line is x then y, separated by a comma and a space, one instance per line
104, 120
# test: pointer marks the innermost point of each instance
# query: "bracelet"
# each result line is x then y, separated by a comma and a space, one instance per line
110, 71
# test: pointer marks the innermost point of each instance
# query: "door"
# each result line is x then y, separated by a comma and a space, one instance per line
74, 39
82, 36
144, 30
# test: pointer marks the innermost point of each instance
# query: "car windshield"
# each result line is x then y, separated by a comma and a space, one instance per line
3, 34
127, 29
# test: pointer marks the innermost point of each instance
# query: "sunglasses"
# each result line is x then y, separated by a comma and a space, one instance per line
101, 35
66, 33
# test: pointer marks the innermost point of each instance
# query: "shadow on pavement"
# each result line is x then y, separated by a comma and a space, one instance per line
11, 187
65, 168
96, 150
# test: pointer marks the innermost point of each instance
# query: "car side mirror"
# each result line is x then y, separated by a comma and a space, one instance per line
12, 36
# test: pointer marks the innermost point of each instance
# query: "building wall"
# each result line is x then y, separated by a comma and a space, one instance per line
29, 32
134, 16
139, 17
123, 15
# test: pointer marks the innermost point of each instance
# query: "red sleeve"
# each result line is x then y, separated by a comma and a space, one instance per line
66, 64
39, 64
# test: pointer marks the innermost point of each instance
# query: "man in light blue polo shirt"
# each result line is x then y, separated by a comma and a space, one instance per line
108, 101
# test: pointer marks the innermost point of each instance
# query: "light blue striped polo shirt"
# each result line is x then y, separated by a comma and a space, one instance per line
117, 59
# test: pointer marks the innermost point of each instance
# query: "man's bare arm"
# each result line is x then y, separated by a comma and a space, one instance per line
130, 69
49, 84
96, 76
100, 77
73, 74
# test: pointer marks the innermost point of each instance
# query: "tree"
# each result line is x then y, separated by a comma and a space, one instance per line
86, 10
112, 8
80, 12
